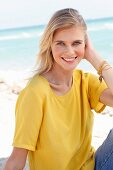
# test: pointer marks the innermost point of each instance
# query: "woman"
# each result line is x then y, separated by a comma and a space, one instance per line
54, 116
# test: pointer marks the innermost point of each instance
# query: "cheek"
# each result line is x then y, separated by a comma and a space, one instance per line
56, 51
81, 51
54, 54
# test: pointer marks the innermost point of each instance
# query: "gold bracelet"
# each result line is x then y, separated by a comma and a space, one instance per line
102, 68
99, 72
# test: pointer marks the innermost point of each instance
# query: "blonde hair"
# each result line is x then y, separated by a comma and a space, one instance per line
61, 19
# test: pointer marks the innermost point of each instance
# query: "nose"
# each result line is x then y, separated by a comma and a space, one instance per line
70, 50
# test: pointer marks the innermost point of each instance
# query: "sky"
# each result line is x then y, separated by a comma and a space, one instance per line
20, 13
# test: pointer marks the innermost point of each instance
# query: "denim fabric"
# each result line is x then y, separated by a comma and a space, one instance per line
104, 154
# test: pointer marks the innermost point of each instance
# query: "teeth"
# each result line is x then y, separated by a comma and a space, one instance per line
69, 59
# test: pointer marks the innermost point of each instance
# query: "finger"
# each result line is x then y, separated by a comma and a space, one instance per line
88, 41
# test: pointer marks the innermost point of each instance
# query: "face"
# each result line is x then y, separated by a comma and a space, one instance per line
68, 47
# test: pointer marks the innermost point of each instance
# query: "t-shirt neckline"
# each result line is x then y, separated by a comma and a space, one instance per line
52, 91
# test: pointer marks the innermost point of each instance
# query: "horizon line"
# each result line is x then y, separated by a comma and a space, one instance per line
44, 24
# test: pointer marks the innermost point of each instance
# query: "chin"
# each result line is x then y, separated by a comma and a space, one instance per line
70, 69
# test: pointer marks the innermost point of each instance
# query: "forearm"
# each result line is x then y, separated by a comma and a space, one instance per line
96, 60
17, 160
13, 165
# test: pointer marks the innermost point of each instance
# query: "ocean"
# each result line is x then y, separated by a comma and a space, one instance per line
19, 46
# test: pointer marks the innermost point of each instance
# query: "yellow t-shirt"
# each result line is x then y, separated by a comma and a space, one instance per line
57, 130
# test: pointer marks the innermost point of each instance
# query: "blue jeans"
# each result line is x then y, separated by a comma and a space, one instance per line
104, 154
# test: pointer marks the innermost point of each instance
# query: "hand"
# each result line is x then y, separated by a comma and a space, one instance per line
89, 49
91, 54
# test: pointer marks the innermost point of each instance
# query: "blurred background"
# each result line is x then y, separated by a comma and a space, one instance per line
22, 23
21, 26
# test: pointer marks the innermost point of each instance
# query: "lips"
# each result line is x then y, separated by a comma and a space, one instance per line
69, 59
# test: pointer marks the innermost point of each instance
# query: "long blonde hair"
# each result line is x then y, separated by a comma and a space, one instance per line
61, 19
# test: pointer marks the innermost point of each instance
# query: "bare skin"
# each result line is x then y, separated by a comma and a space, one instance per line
17, 159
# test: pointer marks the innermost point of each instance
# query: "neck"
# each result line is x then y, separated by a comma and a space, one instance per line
61, 77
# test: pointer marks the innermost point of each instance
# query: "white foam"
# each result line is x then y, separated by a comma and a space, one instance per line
22, 35
9, 37
107, 26
25, 35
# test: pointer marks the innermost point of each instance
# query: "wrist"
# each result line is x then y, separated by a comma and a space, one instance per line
103, 67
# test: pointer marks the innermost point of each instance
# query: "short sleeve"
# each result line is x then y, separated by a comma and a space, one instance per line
95, 89
28, 119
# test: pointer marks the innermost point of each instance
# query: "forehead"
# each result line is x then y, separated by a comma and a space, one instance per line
68, 33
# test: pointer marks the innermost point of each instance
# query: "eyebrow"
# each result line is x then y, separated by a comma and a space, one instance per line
73, 41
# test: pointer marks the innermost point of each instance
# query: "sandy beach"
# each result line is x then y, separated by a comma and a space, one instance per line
11, 84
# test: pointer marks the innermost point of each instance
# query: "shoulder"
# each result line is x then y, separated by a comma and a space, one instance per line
33, 92
80, 75
86, 79
38, 84
36, 88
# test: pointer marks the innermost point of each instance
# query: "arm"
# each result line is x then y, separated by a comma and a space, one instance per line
96, 60
17, 159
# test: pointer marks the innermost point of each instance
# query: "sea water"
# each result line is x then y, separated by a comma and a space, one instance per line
19, 47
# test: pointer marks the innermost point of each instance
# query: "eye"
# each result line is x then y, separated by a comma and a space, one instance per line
76, 43
60, 43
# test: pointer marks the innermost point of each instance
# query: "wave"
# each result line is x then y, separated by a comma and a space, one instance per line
106, 26
23, 35
29, 35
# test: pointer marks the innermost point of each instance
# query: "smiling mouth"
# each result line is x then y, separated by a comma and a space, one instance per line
69, 59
